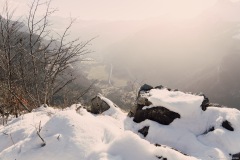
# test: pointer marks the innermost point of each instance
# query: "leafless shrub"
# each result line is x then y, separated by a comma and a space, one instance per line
32, 60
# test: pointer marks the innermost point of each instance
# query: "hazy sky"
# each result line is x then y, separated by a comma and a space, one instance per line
123, 9
131, 9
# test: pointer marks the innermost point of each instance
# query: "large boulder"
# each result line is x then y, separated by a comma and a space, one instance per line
145, 109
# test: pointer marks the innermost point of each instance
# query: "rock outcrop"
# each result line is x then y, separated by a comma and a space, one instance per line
191, 115
159, 114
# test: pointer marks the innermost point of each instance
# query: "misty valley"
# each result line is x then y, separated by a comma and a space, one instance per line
120, 80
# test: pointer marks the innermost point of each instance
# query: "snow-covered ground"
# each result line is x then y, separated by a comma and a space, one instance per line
112, 135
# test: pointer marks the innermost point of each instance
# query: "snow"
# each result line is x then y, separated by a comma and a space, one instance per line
182, 103
77, 134
186, 133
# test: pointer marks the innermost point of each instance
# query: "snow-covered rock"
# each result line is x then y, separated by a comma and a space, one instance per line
200, 130
100, 104
111, 135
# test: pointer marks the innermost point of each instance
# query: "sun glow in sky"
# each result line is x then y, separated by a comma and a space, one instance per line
123, 9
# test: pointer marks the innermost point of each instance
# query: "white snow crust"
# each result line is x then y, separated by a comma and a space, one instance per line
112, 135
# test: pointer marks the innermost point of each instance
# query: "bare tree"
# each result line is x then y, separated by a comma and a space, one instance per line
33, 60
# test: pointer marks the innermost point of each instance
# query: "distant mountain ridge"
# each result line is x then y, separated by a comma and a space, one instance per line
220, 83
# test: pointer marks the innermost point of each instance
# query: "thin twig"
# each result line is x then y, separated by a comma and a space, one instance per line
38, 133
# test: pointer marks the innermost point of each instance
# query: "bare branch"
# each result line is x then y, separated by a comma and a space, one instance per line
38, 133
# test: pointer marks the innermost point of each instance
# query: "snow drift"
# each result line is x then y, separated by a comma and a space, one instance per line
195, 133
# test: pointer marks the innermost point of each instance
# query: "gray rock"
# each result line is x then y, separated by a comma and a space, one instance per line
158, 114
209, 130
227, 125
205, 103
236, 156
98, 105
144, 88
159, 87
143, 101
132, 111
144, 131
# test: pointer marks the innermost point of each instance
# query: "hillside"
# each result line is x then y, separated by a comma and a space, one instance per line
164, 124
222, 79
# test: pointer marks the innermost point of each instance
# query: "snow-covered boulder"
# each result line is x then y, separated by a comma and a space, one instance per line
100, 104
165, 100
187, 122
